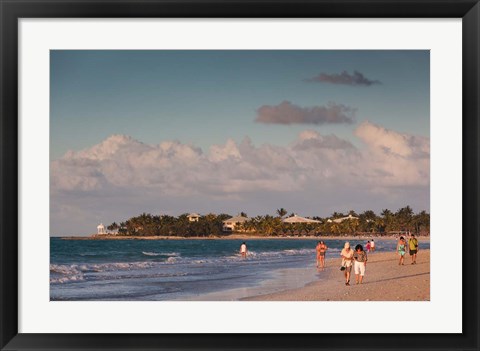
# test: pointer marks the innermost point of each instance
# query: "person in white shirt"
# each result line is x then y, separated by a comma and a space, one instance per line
347, 261
243, 250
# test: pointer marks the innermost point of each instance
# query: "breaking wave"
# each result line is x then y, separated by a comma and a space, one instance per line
151, 253
76, 272
168, 254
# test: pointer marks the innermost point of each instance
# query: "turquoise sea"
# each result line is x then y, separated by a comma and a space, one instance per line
150, 270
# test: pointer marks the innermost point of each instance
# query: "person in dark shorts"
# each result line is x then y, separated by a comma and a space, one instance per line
347, 261
413, 248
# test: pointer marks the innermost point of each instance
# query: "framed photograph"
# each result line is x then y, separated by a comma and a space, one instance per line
266, 175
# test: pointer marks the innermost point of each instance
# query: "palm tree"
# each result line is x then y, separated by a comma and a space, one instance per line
379, 225
249, 226
270, 225
131, 225
388, 220
404, 217
421, 222
369, 215
168, 225
287, 228
367, 221
353, 225
344, 226
337, 215
352, 213
335, 228
123, 228
141, 224
281, 212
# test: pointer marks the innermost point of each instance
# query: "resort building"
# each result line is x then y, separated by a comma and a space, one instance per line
230, 224
101, 229
340, 220
298, 219
193, 217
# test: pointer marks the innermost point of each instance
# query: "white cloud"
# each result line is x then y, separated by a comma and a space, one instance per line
396, 159
308, 134
406, 145
321, 168
221, 153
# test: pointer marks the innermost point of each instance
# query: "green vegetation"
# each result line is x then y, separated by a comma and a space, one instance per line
367, 222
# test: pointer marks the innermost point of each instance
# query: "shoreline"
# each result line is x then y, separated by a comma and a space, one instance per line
384, 280
235, 237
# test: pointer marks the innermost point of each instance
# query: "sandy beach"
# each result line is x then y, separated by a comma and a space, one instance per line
384, 280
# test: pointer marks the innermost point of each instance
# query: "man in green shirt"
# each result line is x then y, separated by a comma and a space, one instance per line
413, 248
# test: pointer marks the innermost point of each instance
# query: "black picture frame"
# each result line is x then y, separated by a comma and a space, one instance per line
11, 11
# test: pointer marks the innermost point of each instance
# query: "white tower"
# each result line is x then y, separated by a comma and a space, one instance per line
101, 229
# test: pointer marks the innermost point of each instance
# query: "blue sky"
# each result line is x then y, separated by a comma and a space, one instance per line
195, 96
127, 125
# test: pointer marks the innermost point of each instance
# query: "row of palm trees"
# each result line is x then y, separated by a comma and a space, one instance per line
155, 225
402, 220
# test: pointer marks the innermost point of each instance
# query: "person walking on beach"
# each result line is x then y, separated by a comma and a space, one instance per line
321, 250
360, 263
317, 249
243, 250
372, 246
413, 248
367, 247
401, 249
347, 261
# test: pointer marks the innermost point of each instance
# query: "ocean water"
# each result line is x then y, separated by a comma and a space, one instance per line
155, 270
